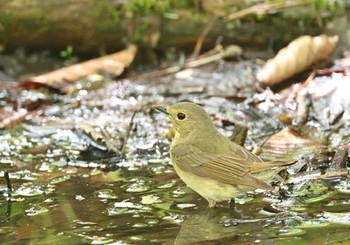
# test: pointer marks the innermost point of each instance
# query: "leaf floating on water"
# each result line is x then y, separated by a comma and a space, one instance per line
167, 185
291, 232
84, 223
150, 199
60, 179
49, 200
117, 211
33, 211
124, 204
243, 199
152, 221
101, 240
60, 162
139, 225
298, 56
28, 190
71, 170
95, 172
138, 187
23, 175
113, 176
106, 194
186, 205
79, 198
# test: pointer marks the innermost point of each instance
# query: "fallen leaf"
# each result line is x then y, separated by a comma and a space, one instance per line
61, 79
99, 134
298, 56
289, 144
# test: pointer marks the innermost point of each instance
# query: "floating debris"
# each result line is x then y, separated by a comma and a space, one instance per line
336, 218
60, 179
291, 232
186, 205
124, 204
311, 191
28, 190
139, 185
79, 198
36, 210
150, 199
106, 194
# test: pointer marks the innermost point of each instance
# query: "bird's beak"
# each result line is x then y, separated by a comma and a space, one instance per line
161, 109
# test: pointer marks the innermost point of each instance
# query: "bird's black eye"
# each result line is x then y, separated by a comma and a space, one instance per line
181, 116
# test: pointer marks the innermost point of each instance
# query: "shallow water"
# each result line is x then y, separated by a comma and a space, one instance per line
71, 187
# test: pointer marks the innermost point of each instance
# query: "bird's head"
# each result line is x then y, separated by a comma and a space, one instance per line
187, 117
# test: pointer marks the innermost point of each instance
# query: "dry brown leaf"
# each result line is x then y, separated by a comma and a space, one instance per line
288, 144
61, 79
99, 134
298, 56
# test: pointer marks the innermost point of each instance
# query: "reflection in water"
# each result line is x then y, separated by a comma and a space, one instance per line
218, 226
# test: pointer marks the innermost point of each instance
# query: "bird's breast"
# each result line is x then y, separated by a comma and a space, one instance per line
209, 188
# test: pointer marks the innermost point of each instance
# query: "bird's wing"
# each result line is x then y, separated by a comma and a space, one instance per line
231, 168
263, 166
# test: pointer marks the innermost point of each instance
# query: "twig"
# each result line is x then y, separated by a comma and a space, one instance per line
131, 124
328, 72
265, 7
8, 183
332, 175
304, 103
239, 134
339, 159
227, 52
200, 40
306, 82
315, 174
9, 194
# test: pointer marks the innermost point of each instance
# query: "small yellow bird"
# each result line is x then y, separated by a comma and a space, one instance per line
210, 163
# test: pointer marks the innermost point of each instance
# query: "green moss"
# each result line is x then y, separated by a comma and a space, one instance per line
314, 189
5, 24
106, 17
181, 4
139, 31
142, 7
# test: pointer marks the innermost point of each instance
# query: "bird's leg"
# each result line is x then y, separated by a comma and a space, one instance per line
231, 203
211, 202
